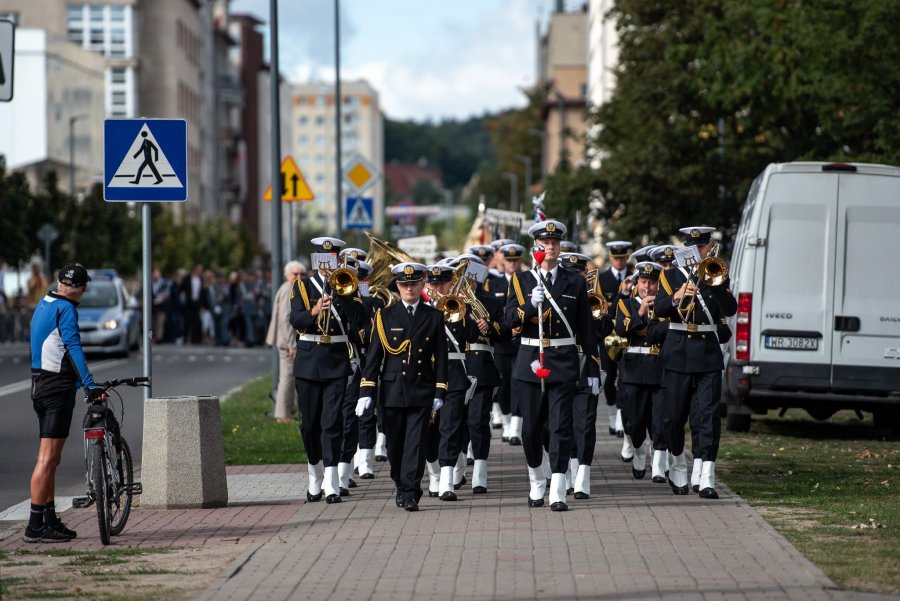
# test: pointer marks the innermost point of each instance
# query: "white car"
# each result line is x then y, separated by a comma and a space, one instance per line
109, 316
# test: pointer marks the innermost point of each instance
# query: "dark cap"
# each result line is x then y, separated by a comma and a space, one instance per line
618, 248
642, 254
663, 254
353, 253
512, 251
440, 274
482, 251
73, 274
408, 272
567, 246
573, 261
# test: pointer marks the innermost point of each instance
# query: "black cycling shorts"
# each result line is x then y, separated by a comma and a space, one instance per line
55, 413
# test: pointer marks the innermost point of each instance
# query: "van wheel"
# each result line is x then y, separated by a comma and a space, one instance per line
737, 422
888, 419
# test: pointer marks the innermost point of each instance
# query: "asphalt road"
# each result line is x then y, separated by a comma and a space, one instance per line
176, 371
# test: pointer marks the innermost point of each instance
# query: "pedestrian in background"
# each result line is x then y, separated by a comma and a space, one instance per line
282, 336
37, 285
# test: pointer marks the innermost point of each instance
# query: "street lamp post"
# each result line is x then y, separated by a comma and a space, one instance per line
513, 189
543, 136
527, 160
72, 121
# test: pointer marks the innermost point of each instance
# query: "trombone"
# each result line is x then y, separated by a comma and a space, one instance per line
452, 304
343, 282
599, 305
712, 271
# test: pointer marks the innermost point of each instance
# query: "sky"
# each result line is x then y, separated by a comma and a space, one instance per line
428, 59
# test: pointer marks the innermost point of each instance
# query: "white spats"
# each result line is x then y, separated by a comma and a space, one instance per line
446, 481
331, 483
627, 449
708, 475
658, 464
365, 461
479, 473
381, 445
583, 479
538, 481
639, 461
619, 425
459, 471
557, 488
678, 470
316, 473
695, 472
434, 476
345, 470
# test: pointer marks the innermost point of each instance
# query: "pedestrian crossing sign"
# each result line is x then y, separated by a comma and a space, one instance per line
358, 213
293, 185
145, 160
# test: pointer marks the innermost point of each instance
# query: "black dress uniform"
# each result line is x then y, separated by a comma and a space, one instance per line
693, 364
324, 362
407, 364
562, 357
640, 368
505, 352
610, 283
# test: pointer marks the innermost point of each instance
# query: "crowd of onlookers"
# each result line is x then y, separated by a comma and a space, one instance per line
200, 306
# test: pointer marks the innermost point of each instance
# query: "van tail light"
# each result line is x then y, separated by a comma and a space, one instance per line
742, 333
94, 434
846, 168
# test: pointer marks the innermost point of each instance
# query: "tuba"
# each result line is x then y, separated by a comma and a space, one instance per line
615, 346
382, 257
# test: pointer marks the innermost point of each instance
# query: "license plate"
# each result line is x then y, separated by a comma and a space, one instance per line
792, 343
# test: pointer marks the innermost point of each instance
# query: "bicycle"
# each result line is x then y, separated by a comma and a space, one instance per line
108, 462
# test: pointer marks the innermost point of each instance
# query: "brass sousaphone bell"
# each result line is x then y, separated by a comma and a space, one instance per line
615, 346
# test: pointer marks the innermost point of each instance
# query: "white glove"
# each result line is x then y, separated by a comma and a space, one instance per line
594, 383
436, 405
363, 405
537, 296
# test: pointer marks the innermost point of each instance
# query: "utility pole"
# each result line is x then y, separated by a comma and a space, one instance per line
527, 160
339, 206
275, 158
513, 189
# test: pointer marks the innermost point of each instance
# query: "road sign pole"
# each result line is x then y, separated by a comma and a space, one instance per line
338, 197
147, 297
277, 182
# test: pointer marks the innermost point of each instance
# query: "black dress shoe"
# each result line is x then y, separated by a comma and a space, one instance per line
311, 498
709, 493
678, 490
432, 494
504, 438
479, 490
535, 502
411, 505
470, 461
581, 496
658, 479
398, 499
559, 506
620, 433
695, 488
612, 431
344, 492
638, 474
368, 476
448, 496
352, 483
626, 459
333, 499
515, 441
570, 491
497, 426
460, 485
380, 457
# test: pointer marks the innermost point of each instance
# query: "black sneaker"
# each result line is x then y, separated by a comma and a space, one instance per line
45, 534
61, 528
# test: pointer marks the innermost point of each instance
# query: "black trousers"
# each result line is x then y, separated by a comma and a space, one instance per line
637, 408
444, 437
552, 411
609, 386
370, 424
405, 428
657, 419
505, 397
321, 419
584, 424
350, 423
697, 395
479, 421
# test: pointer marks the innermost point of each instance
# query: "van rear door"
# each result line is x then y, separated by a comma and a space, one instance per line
792, 293
866, 341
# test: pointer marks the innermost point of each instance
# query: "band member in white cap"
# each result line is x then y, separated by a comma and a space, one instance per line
692, 358
327, 354
551, 306
611, 282
505, 353
407, 359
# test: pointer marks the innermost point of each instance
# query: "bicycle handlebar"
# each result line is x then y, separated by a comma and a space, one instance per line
133, 382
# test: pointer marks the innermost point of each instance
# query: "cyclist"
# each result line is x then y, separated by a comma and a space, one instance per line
58, 369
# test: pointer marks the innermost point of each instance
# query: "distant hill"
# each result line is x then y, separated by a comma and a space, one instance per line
456, 148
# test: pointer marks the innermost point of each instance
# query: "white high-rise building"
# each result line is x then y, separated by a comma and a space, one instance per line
603, 52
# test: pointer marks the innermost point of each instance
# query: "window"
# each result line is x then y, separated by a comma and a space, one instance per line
349, 119
303, 140
96, 12
320, 120
320, 101
117, 75
74, 12
117, 13
320, 159
96, 40
320, 178
76, 34
304, 120
320, 140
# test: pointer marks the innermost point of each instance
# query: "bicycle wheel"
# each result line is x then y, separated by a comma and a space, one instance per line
100, 491
120, 503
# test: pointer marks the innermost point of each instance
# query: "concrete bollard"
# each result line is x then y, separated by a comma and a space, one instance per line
183, 458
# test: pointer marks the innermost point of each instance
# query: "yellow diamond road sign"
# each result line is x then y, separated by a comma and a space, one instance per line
293, 184
360, 173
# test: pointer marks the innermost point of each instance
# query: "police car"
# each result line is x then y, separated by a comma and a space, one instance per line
108, 316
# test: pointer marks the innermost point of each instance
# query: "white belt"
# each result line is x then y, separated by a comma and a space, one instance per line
322, 339
548, 341
477, 346
459, 356
691, 327
643, 350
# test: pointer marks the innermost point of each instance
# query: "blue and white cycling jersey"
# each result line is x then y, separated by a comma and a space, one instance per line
56, 353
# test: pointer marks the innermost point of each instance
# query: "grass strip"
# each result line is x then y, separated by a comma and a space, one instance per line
250, 433
831, 488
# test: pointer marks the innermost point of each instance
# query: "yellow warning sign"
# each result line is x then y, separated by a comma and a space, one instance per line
292, 183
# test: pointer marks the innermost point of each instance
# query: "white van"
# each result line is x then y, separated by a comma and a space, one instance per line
816, 273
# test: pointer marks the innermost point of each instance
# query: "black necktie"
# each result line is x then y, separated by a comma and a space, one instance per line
549, 279
411, 311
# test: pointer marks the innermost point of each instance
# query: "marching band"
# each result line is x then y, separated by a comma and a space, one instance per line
417, 364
